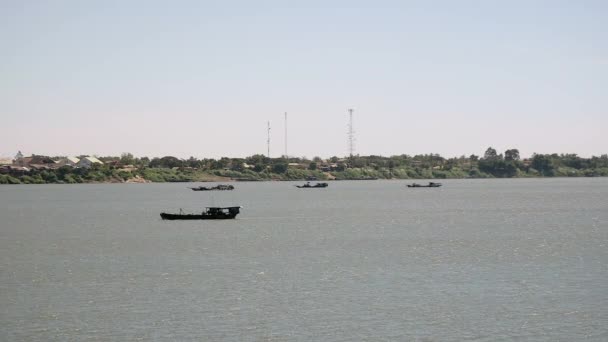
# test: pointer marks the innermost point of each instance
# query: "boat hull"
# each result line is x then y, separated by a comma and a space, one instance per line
316, 186
167, 216
215, 188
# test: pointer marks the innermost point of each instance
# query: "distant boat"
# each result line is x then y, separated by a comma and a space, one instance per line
210, 213
430, 185
219, 187
308, 186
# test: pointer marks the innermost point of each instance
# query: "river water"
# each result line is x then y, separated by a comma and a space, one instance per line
483, 260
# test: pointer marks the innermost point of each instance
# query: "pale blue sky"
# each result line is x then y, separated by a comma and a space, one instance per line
201, 78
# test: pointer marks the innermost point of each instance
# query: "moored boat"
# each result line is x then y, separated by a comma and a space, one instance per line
210, 213
308, 186
218, 187
430, 185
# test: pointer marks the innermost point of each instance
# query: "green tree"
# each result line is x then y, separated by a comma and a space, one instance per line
490, 154
142, 162
543, 164
49, 176
193, 162
279, 168
127, 159
512, 154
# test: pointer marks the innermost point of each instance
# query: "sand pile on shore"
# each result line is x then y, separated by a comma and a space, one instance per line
137, 179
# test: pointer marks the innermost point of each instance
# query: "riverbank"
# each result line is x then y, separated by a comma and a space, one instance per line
128, 169
163, 175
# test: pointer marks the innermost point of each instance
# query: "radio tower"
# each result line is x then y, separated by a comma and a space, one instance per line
286, 157
351, 133
268, 140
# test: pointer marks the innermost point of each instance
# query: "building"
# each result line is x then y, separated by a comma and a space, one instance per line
33, 159
23, 161
297, 166
6, 161
69, 161
14, 170
89, 161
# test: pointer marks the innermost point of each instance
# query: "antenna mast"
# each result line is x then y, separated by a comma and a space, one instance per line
351, 133
268, 140
286, 156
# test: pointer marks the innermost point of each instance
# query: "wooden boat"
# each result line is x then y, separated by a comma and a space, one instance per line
210, 213
308, 186
218, 187
430, 185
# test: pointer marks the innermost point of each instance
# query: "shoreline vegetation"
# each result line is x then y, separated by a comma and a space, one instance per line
129, 169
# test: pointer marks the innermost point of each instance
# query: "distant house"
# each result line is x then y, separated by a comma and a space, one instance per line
14, 170
40, 166
297, 166
33, 159
128, 168
23, 161
6, 161
87, 162
69, 161
328, 167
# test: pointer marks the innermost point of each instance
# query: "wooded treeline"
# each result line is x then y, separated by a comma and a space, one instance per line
259, 167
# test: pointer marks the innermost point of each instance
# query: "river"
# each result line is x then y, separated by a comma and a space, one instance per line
483, 260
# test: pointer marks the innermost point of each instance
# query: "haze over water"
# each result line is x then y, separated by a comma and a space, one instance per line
518, 259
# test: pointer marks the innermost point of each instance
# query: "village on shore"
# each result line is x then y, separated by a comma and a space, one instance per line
39, 169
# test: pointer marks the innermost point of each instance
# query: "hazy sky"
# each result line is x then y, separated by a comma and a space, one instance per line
202, 78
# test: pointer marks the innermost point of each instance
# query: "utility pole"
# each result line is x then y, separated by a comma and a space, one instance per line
351, 134
268, 140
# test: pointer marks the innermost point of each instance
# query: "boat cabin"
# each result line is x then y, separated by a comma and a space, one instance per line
222, 210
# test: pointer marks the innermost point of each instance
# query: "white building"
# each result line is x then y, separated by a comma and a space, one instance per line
69, 161
87, 162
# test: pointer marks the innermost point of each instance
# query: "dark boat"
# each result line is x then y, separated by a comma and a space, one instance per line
430, 185
210, 213
218, 187
307, 186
